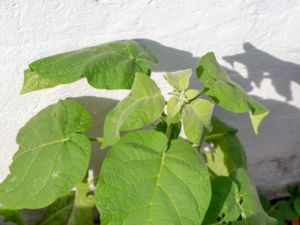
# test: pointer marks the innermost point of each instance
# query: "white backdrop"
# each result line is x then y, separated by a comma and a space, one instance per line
256, 40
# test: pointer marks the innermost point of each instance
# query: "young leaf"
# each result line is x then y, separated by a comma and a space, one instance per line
179, 79
58, 213
53, 157
83, 206
108, 66
173, 109
192, 93
196, 119
142, 181
252, 212
224, 92
228, 154
11, 217
142, 107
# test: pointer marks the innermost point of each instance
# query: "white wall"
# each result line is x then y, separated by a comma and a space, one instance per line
257, 38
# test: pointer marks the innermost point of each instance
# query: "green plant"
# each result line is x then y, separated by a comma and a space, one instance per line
287, 209
149, 176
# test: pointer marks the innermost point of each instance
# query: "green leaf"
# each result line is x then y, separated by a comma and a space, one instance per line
142, 107
228, 153
223, 207
196, 119
179, 79
12, 216
83, 207
108, 66
296, 205
226, 93
58, 213
53, 157
286, 210
235, 201
192, 93
143, 181
265, 203
252, 212
173, 110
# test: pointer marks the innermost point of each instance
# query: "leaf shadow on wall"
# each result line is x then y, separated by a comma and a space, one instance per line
276, 150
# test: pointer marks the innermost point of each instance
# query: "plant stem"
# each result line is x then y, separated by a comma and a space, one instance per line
96, 139
213, 137
169, 131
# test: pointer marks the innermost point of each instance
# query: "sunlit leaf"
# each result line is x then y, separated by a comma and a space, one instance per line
226, 93
141, 107
108, 66
179, 79
53, 157
197, 119
143, 181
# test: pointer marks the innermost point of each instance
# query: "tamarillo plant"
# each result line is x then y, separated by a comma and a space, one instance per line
150, 176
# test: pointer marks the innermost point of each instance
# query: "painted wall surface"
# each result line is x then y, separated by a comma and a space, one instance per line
257, 41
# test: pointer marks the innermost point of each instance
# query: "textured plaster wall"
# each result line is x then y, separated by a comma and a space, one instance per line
256, 40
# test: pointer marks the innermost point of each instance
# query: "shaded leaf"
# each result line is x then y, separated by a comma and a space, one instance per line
142, 181
286, 209
197, 119
53, 157
228, 153
58, 213
141, 107
179, 79
83, 206
11, 216
108, 66
252, 212
296, 205
226, 93
223, 208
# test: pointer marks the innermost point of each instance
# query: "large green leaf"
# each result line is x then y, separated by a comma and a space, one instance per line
11, 217
235, 201
141, 107
228, 153
143, 181
196, 119
59, 212
227, 93
108, 66
83, 206
53, 157
179, 79
252, 212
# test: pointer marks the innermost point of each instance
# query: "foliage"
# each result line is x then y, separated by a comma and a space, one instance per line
286, 209
150, 174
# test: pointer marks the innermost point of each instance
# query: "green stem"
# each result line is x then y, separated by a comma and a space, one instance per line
169, 131
96, 139
213, 137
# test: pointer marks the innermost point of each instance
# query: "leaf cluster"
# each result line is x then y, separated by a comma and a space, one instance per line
150, 175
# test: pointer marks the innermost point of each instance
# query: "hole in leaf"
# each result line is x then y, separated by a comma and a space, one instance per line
240, 218
223, 215
241, 200
219, 218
